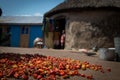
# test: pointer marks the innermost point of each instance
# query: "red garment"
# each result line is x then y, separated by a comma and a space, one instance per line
63, 38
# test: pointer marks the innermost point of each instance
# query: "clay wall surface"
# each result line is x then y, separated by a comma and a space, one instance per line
88, 29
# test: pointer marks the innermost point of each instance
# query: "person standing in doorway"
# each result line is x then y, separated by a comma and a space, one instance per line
62, 39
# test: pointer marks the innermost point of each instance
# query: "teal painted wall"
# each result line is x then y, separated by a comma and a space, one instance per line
35, 31
15, 36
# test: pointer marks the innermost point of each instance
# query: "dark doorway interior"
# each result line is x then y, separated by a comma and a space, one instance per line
0, 34
59, 27
61, 24
5, 36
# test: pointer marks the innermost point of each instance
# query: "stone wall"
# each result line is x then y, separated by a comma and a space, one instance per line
88, 29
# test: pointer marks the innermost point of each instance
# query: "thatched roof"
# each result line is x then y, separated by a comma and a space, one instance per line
73, 4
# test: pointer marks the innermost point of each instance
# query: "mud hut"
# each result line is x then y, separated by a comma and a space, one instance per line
87, 23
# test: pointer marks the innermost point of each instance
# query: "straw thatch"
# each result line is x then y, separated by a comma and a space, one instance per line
79, 4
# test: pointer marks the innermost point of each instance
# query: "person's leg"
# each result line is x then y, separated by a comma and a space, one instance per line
61, 45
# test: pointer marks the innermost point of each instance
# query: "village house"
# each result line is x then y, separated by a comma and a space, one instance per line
87, 23
20, 31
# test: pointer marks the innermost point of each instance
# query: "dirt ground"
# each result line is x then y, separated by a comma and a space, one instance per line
113, 75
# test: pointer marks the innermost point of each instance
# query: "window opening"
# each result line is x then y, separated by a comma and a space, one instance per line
25, 30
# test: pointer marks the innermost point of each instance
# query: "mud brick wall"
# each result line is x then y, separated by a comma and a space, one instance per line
88, 29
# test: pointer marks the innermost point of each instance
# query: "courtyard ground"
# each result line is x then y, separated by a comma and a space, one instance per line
115, 66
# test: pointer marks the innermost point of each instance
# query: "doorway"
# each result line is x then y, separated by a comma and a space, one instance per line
5, 36
58, 32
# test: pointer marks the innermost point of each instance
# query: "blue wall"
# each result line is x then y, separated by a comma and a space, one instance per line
15, 36
35, 31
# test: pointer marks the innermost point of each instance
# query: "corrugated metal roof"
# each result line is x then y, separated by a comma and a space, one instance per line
21, 19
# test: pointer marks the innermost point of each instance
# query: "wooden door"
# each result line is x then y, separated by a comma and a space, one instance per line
24, 36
